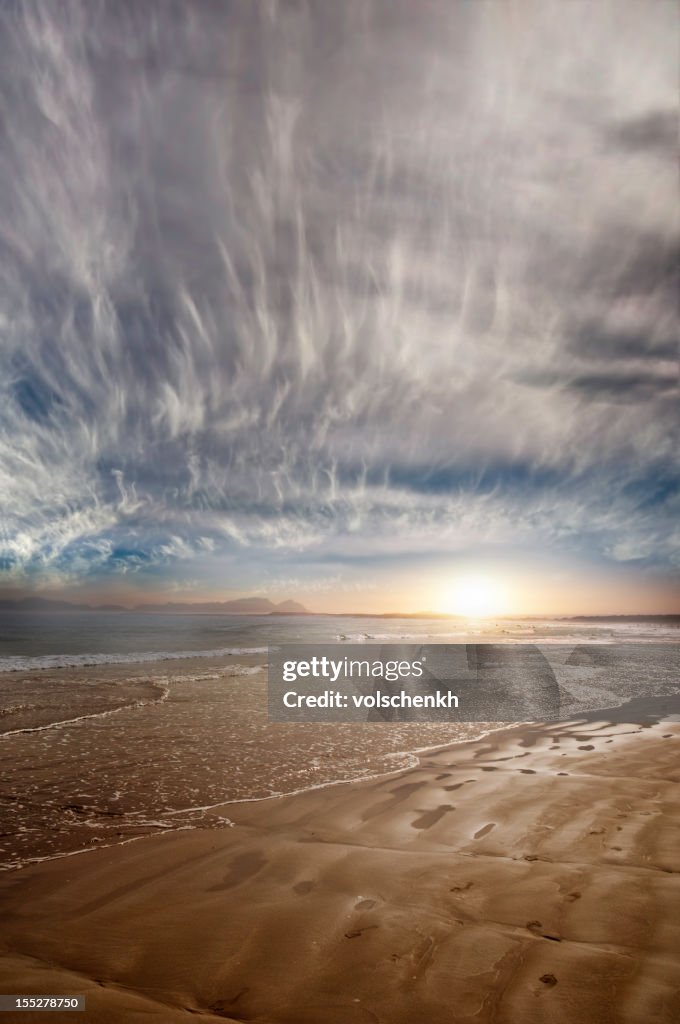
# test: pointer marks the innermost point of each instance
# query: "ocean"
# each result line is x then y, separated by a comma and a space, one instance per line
118, 725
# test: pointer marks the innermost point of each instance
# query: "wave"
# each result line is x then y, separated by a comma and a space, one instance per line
160, 686
18, 709
423, 638
523, 638
394, 763
26, 663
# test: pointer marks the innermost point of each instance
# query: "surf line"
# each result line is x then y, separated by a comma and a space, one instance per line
163, 687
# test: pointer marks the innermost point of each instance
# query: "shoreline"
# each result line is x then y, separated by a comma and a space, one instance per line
243, 800
527, 875
414, 752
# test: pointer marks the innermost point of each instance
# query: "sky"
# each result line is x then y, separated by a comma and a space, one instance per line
354, 303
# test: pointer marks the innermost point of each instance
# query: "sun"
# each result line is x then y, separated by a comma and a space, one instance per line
475, 597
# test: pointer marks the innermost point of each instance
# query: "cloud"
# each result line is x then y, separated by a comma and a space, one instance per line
284, 278
655, 131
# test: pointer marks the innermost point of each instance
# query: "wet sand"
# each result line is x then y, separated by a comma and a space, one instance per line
526, 877
102, 756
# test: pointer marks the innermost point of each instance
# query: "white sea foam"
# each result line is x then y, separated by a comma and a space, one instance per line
163, 694
641, 634
398, 637
24, 663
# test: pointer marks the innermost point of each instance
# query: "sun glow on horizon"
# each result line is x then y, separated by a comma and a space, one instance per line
475, 597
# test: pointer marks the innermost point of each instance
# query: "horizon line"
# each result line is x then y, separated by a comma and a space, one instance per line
151, 607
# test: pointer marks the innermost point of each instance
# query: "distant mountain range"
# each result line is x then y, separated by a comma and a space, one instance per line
241, 606
263, 606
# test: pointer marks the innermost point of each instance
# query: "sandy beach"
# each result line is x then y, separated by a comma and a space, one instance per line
528, 876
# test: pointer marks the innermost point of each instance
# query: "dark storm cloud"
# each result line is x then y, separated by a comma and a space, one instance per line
346, 278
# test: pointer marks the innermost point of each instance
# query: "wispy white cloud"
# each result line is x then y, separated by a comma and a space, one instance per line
349, 279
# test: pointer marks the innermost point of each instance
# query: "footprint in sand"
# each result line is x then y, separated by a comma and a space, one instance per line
548, 979
429, 818
587, 747
222, 1007
462, 888
241, 868
360, 931
536, 928
302, 888
572, 896
485, 831
526, 771
563, 773
364, 905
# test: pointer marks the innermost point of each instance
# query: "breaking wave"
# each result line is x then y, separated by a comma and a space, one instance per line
24, 663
